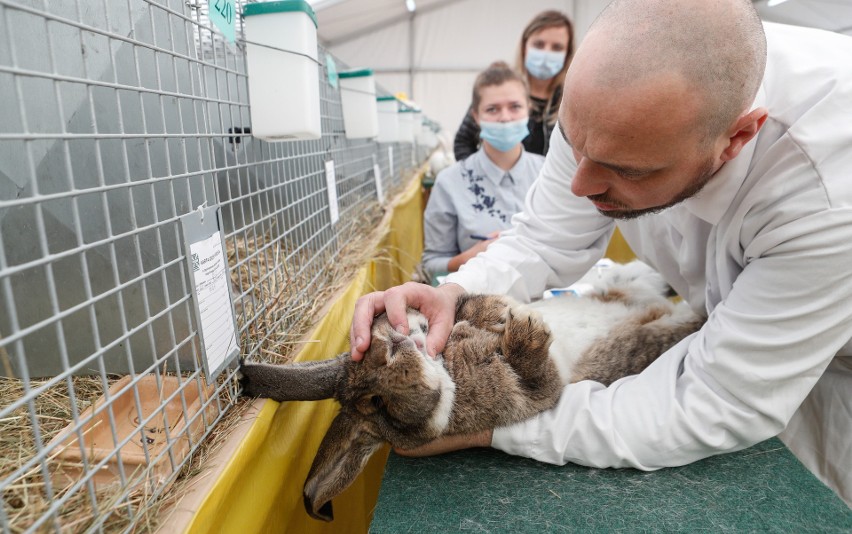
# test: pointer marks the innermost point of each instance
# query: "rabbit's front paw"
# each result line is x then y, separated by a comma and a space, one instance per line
489, 312
461, 330
526, 333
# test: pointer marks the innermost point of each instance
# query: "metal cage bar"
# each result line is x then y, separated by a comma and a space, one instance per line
118, 118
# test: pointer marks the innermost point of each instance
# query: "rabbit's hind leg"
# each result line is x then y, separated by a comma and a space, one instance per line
634, 344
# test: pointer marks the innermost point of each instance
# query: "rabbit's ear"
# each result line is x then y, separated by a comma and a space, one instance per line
342, 455
315, 380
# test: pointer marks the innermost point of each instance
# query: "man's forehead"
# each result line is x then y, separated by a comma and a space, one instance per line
632, 154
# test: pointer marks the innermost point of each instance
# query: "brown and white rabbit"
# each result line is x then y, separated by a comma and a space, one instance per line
501, 365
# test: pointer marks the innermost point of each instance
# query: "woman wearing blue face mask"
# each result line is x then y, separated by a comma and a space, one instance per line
544, 54
474, 199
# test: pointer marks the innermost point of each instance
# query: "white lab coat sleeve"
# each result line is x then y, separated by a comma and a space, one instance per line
736, 382
556, 239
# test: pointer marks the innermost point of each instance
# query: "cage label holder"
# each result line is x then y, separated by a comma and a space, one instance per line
210, 283
331, 183
377, 174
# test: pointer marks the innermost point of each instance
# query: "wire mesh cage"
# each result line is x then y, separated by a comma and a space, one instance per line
118, 118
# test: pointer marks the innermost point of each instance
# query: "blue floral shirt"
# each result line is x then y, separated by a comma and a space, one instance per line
473, 197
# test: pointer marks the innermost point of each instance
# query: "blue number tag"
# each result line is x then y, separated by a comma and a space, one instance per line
331, 69
223, 15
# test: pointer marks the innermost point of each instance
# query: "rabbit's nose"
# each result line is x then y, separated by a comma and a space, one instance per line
398, 339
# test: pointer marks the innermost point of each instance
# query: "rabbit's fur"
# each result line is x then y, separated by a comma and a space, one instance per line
501, 365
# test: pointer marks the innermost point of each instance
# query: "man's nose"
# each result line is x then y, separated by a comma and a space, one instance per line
590, 179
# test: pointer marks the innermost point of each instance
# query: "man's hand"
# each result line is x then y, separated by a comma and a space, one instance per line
437, 304
449, 444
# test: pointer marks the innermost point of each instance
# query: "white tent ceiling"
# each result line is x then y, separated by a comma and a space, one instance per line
344, 20
433, 53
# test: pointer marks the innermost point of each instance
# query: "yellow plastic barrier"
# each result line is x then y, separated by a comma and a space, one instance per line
618, 249
260, 487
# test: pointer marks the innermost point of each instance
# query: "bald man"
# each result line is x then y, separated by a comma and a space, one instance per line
722, 149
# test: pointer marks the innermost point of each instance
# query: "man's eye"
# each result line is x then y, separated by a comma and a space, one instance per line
631, 176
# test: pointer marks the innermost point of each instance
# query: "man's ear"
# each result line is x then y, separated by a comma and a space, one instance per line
743, 131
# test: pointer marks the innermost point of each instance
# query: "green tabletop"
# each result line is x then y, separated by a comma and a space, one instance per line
761, 489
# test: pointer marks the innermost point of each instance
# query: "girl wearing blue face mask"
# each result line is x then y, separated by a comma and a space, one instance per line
544, 54
474, 200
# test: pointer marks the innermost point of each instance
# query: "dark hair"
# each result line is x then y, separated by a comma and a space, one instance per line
497, 73
547, 19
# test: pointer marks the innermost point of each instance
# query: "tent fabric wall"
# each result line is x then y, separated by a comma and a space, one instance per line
451, 44
453, 40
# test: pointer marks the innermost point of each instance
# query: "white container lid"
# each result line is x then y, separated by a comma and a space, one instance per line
355, 73
281, 6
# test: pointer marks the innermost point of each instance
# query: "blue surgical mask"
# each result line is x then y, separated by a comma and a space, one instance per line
542, 64
504, 136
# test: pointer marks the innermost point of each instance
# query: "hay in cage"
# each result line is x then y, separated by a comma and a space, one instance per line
286, 302
109, 505
25, 498
277, 305
278, 283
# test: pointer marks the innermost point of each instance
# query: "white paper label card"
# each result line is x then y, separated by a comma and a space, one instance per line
331, 183
211, 290
380, 192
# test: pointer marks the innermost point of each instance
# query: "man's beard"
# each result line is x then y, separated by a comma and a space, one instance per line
703, 177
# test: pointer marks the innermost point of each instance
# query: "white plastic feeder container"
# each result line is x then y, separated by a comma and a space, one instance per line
283, 70
358, 98
429, 137
406, 125
417, 127
423, 137
388, 113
